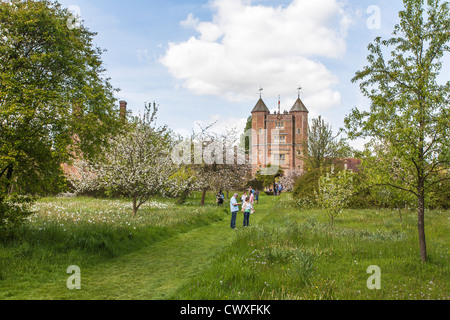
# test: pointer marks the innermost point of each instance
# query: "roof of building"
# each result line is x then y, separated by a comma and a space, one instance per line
299, 106
260, 107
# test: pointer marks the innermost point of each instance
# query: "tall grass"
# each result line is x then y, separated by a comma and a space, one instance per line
286, 253
296, 254
87, 231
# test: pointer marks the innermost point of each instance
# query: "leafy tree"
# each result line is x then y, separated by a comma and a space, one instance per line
322, 147
268, 180
51, 90
245, 140
335, 190
306, 186
409, 112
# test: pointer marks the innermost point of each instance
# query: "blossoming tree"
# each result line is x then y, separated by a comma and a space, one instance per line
136, 164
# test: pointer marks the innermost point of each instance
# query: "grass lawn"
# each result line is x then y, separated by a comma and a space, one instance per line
171, 251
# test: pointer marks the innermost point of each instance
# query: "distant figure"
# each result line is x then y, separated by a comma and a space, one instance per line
220, 198
256, 196
244, 196
234, 207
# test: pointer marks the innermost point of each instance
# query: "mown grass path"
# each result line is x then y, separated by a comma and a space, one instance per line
157, 271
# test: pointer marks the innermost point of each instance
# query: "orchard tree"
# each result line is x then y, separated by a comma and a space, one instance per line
219, 164
334, 192
409, 112
137, 164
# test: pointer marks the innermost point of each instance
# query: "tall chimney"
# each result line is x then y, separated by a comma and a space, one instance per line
123, 110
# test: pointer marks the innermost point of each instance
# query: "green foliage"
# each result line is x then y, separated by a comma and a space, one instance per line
53, 99
267, 180
335, 190
322, 148
439, 196
255, 183
307, 186
408, 123
245, 140
13, 211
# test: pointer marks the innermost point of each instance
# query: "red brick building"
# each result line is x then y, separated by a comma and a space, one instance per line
277, 138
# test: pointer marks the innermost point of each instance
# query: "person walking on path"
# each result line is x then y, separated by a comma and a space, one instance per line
248, 208
234, 207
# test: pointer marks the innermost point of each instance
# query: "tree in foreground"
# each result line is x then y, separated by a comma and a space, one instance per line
136, 164
51, 89
409, 112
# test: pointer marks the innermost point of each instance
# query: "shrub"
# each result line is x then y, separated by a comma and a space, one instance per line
307, 186
14, 211
439, 196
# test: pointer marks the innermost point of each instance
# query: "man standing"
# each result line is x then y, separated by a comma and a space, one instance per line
234, 207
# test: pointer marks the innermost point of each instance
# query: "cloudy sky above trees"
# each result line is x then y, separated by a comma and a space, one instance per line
204, 61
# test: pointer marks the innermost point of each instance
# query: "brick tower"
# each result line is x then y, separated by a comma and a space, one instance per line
278, 137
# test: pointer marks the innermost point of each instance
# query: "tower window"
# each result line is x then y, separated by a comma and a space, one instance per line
279, 139
279, 125
280, 159
299, 131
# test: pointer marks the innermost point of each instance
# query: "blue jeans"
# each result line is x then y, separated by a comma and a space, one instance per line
246, 218
233, 219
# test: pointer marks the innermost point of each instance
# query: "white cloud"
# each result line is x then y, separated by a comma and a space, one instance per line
246, 46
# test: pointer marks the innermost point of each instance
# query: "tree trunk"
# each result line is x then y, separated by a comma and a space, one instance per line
135, 207
9, 182
202, 203
421, 224
421, 187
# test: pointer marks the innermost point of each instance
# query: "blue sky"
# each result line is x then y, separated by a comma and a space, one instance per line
204, 61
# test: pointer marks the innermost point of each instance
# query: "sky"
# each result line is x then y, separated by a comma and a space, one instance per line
204, 61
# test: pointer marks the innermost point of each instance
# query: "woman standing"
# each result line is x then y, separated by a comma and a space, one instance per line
247, 207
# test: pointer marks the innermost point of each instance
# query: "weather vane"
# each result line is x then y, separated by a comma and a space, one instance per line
299, 89
260, 92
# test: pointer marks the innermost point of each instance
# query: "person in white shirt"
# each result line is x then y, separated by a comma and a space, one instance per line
234, 207
247, 207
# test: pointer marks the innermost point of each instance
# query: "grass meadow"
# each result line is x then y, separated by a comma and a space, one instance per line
286, 253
